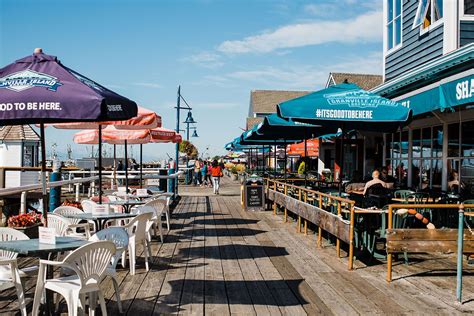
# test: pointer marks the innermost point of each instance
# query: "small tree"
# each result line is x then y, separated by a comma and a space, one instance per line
189, 149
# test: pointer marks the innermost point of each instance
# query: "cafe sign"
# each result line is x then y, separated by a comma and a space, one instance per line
443, 97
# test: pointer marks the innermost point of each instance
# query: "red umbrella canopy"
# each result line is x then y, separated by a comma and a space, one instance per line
312, 148
162, 135
112, 135
145, 119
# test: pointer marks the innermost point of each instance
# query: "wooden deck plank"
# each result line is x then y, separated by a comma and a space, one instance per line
236, 290
170, 294
219, 259
271, 292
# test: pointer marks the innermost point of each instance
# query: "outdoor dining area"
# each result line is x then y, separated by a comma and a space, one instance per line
79, 244
372, 214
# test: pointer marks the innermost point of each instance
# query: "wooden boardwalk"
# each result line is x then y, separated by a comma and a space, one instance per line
220, 260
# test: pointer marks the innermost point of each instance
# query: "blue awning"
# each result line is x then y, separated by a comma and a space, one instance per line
445, 96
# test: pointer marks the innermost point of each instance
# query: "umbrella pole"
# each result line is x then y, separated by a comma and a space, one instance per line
43, 175
126, 167
305, 160
342, 162
115, 165
275, 160
100, 164
141, 165
286, 160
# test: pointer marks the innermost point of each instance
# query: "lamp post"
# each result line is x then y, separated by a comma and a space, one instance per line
189, 120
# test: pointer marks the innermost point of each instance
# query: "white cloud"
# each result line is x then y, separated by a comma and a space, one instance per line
299, 77
148, 85
205, 59
366, 27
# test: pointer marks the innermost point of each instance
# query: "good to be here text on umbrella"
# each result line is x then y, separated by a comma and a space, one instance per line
344, 114
28, 106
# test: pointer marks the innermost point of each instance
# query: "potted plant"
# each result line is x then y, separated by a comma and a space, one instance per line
26, 223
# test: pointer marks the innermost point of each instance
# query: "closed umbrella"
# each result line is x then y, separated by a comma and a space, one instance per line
39, 89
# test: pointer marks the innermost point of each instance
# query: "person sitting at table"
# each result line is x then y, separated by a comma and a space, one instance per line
302, 168
454, 185
376, 181
385, 177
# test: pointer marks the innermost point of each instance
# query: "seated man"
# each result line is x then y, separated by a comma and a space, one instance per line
385, 177
375, 180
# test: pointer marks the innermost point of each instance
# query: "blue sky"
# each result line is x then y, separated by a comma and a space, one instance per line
218, 51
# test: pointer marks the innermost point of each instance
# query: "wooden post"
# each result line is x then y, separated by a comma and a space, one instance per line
351, 238
298, 229
274, 201
338, 241
285, 209
305, 221
320, 231
389, 255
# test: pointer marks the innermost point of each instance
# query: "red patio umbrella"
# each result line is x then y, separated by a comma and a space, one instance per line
145, 119
312, 148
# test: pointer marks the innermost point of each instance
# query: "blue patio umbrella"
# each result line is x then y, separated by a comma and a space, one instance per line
346, 106
39, 89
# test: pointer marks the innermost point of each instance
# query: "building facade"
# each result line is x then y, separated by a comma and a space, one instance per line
428, 67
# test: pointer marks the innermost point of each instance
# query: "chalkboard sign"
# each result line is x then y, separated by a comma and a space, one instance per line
254, 197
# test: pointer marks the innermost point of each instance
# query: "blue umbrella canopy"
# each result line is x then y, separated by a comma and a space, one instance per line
348, 106
275, 127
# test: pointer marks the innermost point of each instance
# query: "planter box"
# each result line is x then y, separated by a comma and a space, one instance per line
30, 231
234, 177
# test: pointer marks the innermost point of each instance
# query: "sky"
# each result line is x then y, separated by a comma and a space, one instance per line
217, 51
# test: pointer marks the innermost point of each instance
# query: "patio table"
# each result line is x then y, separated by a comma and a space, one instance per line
33, 248
99, 219
127, 204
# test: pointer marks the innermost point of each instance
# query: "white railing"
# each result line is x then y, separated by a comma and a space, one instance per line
35, 187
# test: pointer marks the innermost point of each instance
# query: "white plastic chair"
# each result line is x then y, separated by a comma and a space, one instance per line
89, 263
68, 210
88, 205
119, 237
136, 230
166, 198
64, 227
157, 208
9, 272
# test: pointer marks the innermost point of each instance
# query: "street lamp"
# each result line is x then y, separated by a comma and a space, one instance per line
189, 120
195, 134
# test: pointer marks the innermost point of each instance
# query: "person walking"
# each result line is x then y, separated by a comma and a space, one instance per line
208, 174
197, 172
204, 174
216, 173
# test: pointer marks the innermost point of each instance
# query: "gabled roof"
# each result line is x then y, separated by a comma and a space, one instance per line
365, 81
18, 132
265, 101
251, 121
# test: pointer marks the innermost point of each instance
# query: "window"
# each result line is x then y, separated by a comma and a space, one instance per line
428, 12
394, 23
469, 7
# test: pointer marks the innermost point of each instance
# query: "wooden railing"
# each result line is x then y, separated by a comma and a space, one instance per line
310, 205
